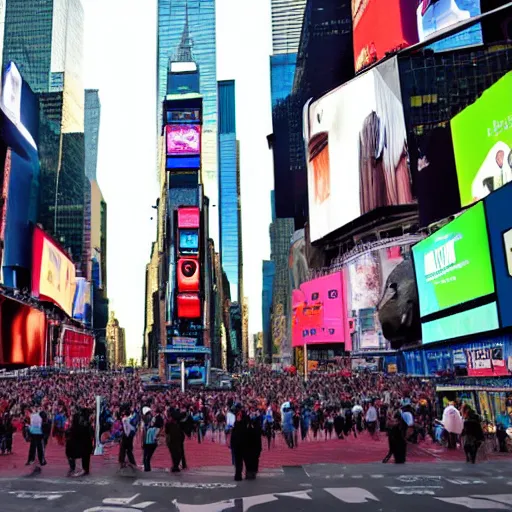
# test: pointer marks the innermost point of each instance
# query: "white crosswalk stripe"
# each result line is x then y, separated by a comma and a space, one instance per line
352, 494
474, 503
421, 490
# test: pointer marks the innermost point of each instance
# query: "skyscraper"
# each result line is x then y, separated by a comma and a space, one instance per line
189, 25
268, 274
116, 342
92, 132
229, 187
45, 39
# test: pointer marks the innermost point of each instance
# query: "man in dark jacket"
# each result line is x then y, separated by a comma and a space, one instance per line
174, 437
473, 434
253, 447
239, 441
80, 442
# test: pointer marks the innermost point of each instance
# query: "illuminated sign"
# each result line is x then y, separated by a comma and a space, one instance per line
183, 139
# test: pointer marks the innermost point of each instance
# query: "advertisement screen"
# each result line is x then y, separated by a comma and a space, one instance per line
53, 273
453, 266
77, 349
356, 150
370, 279
183, 139
189, 241
482, 142
23, 334
322, 315
486, 362
409, 22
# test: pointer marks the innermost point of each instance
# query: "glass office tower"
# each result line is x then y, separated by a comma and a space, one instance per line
229, 190
92, 131
45, 40
173, 16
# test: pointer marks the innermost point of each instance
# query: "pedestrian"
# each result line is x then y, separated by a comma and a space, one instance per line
288, 426
453, 424
396, 438
35, 430
8, 433
149, 437
253, 447
79, 442
473, 434
239, 441
174, 437
127, 436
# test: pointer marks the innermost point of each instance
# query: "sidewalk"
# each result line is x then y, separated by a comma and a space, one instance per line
214, 455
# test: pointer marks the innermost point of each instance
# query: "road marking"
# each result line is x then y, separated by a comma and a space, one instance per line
357, 476
411, 479
351, 494
182, 485
64, 481
253, 501
301, 495
426, 490
500, 498
101, 508
40, 495
465, 481
474, 504
376, 476
219, 506
128, 501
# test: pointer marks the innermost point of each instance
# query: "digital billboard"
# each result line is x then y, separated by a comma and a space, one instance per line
183, 139
357, 150
377, 281
189, 241
408, 22
453, 266
77, 348
53, 273
321, 316
23, 334
482, 142
188, 275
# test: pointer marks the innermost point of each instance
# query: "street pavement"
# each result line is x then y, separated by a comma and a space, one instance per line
377, 487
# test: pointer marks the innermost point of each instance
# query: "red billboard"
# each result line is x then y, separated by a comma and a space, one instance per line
486, 362
77, 348
188, 217
183, 139
53, 272
23, 334
188, 275
321, 317
189, 305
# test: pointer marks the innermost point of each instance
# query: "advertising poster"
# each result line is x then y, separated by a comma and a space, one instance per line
183, 139
355, 145
453, 266
53, 273
77, 349
322, 316
407, 23
22, 334
482, 142
368, 275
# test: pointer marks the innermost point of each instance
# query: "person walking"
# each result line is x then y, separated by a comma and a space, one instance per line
36, 438
473, 434
239, 441
149, 437
174, 437
80, 442
127, 436
253, 448
453, 424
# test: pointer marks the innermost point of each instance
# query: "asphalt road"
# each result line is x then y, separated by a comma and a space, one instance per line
364, 488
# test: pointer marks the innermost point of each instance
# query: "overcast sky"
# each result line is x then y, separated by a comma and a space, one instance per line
120, 61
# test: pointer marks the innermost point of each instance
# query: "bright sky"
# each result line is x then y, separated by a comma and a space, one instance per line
120, 61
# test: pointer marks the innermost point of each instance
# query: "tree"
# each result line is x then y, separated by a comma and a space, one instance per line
132, 362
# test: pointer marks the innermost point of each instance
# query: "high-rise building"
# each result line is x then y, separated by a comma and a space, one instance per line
268, 274
92, 132
116, 343
45, 40
189, 26
229, 188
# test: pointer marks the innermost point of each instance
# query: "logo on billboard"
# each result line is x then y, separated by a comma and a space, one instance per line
332, 294
441, 258
189, 268
315, 296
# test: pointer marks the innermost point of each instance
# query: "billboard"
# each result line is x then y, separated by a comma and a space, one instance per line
372, 279
23, 334
188, 217
453, 266
183, 139
189, 241
408, 22
482, 142
486, 362
321, 315
189, 305
53, 273
77, 348
188, 275
356, 150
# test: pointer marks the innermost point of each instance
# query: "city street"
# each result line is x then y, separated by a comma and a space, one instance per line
365, 488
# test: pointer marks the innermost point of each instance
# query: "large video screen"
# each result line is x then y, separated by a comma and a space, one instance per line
183, 139
482, 142
53, 272
357, 150
23, 334
408, 22
453, 266
77, 349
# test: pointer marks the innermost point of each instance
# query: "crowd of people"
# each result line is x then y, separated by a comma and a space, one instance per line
262, 405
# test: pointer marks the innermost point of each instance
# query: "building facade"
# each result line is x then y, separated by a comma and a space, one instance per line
45, 40
268, 271
92, 132
198, 17
229, 188
116, 343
